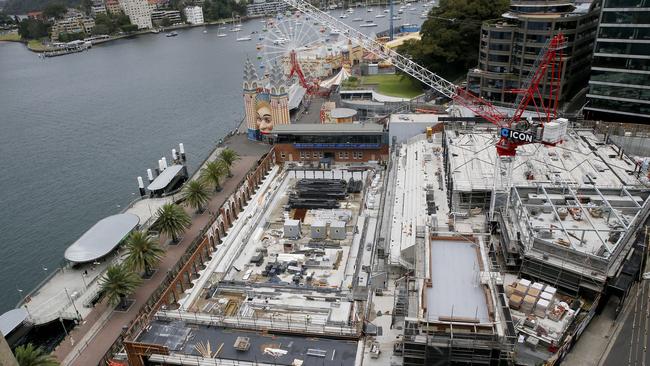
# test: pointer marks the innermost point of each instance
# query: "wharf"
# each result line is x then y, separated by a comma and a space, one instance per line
101, 325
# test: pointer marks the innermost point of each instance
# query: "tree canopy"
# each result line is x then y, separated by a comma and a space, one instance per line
220, 9
109, 24
5, 19
33, 28
451, 35
24, 6
30, 355
172, 220
143, 252
117, 283
54, 10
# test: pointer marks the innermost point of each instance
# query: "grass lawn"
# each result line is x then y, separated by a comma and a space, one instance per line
12, 36
394, 85
36, 45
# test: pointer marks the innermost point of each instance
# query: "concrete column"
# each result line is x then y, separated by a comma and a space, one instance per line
6, 357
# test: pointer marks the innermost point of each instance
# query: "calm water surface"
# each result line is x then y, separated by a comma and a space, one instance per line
76, 131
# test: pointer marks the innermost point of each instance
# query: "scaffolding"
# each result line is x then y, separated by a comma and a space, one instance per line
572, 266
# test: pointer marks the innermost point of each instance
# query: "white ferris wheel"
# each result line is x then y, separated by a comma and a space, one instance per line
296, 33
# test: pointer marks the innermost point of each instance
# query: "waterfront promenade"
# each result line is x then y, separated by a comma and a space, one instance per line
103, 325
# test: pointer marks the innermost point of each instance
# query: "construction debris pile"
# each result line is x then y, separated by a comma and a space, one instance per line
319, 193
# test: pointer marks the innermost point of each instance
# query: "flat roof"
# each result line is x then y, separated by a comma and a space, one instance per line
182, 338
456, 288
414, 117
165, 177
101, 238
343, 113
329, 129
11, 320
581, 159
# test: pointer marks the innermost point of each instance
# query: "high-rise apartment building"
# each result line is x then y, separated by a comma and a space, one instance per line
194, 14
619, 88
139, 12
113, 7
509, 47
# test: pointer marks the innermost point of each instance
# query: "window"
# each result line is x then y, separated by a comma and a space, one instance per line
340, 154
302, 155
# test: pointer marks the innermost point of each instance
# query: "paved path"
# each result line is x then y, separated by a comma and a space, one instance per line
103, 325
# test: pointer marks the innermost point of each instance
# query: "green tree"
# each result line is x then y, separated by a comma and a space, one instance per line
122, 20
54, 10
33, 29
142, 252
451, 35
128, 28
220, 9
213, 172
196, 194
100, 29
69, 37
6, 19
106, 23
30, 355
172, 220
165, 22
86, 6
229, 156
117, 283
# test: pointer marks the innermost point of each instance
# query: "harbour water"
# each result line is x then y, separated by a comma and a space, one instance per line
77, 130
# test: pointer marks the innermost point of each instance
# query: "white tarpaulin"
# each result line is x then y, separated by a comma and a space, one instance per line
336, 80
296, 93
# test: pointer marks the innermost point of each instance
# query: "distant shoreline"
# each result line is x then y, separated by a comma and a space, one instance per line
42, 49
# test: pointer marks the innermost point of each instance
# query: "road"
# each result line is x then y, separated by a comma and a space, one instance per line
631, 344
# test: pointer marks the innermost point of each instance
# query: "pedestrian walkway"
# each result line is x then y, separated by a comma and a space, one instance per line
88, 343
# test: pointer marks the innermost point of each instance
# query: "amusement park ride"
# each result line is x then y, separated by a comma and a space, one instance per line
312, 87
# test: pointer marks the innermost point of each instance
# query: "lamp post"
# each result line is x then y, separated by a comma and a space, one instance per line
73, 304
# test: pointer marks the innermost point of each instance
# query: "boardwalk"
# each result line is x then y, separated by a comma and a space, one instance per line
102, 326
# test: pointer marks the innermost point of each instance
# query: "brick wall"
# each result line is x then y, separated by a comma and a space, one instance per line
287, 152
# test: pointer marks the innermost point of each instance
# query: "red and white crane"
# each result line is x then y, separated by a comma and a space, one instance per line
514, 131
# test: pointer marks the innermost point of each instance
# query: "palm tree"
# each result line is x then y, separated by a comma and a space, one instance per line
117, 283
172, 220
30, 355
213, 172
229, 156
196, 194
142, 252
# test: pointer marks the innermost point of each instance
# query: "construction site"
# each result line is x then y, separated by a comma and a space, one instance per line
424, 239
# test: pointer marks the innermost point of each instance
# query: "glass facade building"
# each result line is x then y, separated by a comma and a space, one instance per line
619, 88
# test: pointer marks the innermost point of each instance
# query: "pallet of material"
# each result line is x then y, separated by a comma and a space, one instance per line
242, 344
515, 301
